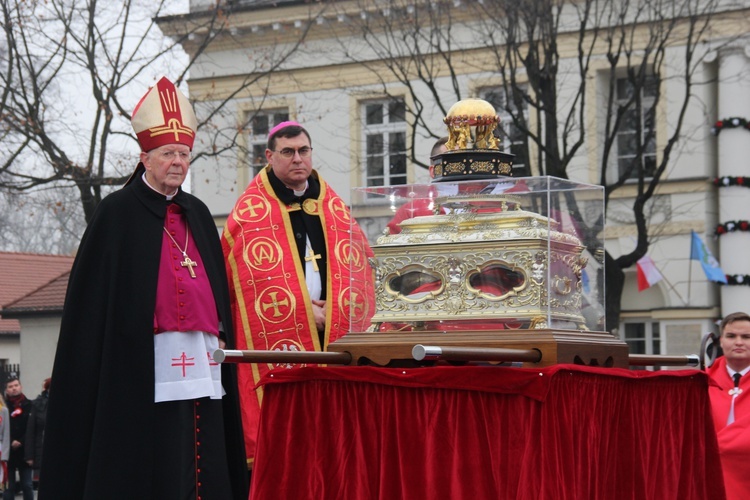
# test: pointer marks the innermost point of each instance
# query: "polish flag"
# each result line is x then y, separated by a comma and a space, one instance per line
648, 275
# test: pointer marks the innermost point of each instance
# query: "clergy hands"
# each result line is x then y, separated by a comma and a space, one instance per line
319, 313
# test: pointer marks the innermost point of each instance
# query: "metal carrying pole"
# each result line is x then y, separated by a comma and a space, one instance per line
422, 352
297, 357
659, 360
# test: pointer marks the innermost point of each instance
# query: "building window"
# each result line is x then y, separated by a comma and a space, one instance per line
260, 125
642, 337
384, 131
636, 117
511, 137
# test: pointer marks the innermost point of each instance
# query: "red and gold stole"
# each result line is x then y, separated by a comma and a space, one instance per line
270, 304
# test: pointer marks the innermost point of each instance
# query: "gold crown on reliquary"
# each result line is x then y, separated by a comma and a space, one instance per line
468, 114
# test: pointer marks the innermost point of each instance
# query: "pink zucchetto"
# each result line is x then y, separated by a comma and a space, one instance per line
283, 125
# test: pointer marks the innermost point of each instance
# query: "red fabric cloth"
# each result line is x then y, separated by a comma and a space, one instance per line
563, 432
734, 439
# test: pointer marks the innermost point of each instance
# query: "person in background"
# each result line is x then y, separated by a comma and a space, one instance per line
140, 408
35, 429
4, 443
19, 408
729, 391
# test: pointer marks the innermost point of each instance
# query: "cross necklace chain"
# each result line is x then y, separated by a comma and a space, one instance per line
187, 262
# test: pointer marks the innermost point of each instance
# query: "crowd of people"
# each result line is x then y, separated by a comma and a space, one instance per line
140, 408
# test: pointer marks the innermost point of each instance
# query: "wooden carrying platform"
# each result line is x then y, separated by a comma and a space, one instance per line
555, 346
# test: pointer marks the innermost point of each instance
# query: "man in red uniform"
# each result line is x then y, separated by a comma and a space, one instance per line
730, 402
140, 409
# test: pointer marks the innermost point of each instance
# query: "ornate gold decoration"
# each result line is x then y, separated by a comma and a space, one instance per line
453, 168
310, 206
480, 258
275, 304
482, 166
262, 253
254, 209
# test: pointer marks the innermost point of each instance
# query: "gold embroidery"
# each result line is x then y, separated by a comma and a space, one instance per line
274, 304
350, 255
255, 207
262, 254
172, 127
338, 208
310, 206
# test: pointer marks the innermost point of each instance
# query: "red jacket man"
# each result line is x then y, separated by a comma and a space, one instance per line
730, 402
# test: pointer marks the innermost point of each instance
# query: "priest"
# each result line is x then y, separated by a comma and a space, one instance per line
297, 263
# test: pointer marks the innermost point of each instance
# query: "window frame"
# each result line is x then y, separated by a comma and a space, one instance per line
257, 142
650, 336
648, 107
385, 129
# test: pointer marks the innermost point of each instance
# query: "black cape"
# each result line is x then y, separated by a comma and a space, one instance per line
98, 438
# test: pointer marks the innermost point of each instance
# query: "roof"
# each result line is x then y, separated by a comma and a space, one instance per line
48, 298
23, 274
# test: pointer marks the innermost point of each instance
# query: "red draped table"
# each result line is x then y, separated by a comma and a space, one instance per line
482, 432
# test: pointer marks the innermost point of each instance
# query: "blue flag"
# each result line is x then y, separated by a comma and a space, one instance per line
699, 251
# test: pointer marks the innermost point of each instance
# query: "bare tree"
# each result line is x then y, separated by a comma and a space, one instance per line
48, 221
72, 71
548, 99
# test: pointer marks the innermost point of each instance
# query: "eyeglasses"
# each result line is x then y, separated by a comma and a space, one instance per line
304, 152
171, 155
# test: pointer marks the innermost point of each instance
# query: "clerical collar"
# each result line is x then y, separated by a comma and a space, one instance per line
732, 372
288, 196
301, 192
168, 196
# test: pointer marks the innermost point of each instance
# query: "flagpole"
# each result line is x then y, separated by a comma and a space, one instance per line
672, 287
669, 283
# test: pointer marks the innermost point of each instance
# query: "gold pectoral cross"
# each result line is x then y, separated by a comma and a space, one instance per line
189, 264
312, 256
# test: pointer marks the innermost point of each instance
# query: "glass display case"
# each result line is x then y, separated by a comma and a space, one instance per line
480, 255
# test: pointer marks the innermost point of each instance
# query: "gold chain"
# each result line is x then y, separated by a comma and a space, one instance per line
188, 262
187, 237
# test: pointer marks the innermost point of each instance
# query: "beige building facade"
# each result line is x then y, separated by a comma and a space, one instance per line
323, 65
